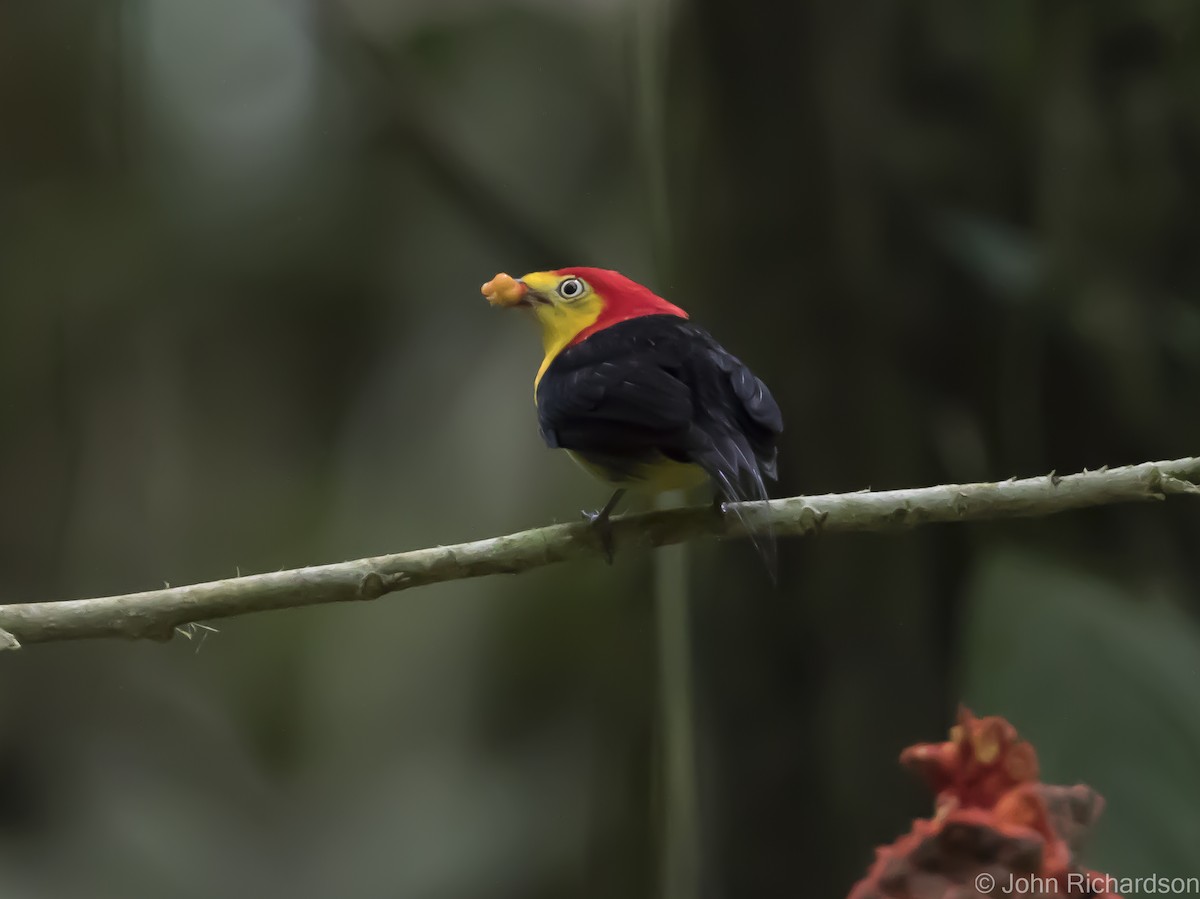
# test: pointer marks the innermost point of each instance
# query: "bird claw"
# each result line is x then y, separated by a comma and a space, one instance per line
602, 526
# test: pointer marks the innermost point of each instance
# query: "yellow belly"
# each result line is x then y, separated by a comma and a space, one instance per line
652, 477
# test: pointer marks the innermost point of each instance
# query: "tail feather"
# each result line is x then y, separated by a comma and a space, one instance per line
733, 465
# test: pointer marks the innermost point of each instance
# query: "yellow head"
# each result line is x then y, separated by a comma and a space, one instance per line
572, 303
564, 304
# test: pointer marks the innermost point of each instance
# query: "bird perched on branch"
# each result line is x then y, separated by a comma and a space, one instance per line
638, 395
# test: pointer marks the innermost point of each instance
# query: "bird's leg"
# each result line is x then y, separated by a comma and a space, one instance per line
600, 521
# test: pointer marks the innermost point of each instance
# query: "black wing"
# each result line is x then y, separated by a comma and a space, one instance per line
620, 398
660, 385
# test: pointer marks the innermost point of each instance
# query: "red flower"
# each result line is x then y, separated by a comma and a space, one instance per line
996, 831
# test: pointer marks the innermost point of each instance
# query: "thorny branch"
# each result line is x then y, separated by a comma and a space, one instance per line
158, 613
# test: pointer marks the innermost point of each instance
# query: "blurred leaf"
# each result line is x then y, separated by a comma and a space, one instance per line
1001, 256
1107, 687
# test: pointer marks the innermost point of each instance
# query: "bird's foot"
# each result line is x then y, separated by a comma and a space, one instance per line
602, 526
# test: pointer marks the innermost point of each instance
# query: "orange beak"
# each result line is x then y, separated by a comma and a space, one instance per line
504, 291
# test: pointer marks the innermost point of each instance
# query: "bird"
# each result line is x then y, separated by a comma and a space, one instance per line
640, 396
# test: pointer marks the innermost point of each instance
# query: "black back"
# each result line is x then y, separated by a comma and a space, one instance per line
661, 385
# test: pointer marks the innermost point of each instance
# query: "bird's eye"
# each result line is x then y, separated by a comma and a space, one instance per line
571, 289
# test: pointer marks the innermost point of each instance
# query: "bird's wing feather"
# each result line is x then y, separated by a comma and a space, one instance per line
738, 415
610, 398
755, 398
630, 412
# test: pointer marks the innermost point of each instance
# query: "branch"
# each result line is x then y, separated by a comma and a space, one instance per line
157, 613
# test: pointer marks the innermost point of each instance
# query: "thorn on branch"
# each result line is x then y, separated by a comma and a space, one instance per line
1055, 478
189, 630
1178, 485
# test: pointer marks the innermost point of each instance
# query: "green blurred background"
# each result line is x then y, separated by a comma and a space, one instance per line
240, 329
